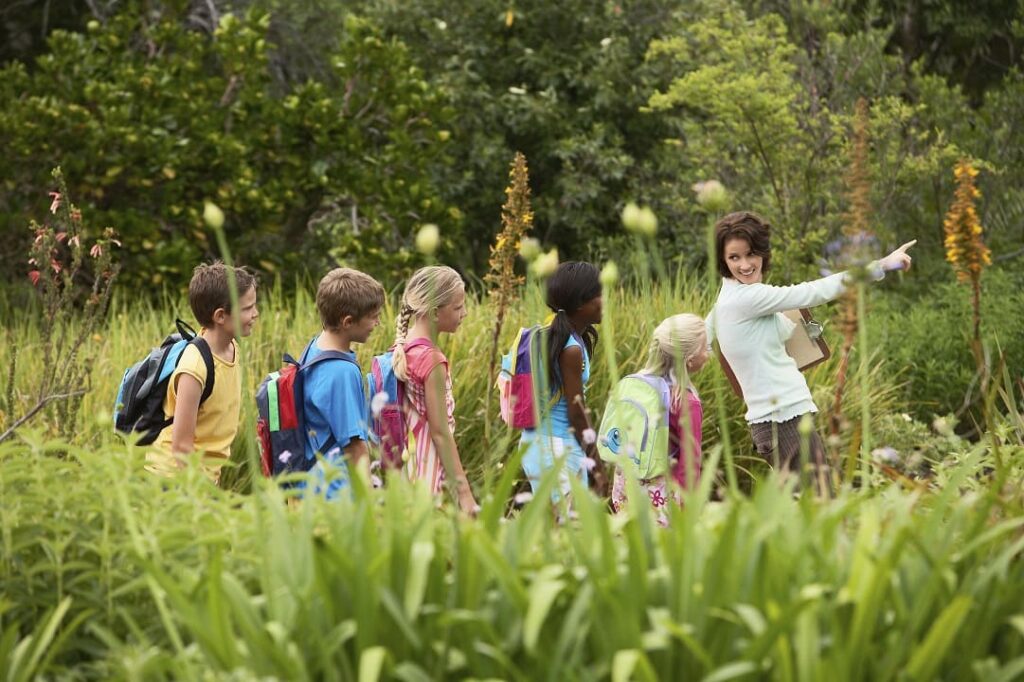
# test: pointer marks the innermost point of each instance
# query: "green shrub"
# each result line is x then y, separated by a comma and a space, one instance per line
149, 116
925, 330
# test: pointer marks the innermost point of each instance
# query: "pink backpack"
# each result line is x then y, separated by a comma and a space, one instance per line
388, 428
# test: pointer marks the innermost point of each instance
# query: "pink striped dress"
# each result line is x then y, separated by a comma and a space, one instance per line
422, 460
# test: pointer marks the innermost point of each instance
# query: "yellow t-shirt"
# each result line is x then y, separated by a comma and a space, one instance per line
217, 422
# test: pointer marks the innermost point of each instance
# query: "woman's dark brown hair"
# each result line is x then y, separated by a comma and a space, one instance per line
743, 225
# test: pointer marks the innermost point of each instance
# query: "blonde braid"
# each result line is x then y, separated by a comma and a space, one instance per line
398, 361
428, 289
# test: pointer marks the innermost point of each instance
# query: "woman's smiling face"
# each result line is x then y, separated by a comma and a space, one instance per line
744, 264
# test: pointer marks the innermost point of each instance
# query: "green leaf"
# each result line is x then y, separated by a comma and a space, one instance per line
931, 652
420, 556
371, 662
732, 671
545, 588
632, 664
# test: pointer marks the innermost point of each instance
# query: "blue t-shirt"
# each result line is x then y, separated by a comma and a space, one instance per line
559, 417
334, 408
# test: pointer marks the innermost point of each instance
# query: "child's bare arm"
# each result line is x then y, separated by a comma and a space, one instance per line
356, 451
570, 365
186, 413
443, 438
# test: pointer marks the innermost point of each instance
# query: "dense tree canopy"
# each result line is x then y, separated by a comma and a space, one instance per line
329, 134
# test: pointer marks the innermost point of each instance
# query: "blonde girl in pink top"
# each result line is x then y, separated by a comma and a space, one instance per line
434, 302
677, 352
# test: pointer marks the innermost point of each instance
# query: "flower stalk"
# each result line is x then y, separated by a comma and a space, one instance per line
965, 249
504, 282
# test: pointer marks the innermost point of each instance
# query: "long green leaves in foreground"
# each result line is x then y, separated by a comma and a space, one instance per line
107, 572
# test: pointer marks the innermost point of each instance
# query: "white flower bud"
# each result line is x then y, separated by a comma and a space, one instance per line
428, 239
545, 265
609, 274
639, 220
711, 194
630, 216
529, 248
377, 403
212, 215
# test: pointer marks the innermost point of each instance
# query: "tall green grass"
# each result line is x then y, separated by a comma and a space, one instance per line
108, 573
289, 320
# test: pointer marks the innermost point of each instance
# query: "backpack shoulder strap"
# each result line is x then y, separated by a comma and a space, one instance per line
419, 341
328, 355
211, 375
186, 331
305, 352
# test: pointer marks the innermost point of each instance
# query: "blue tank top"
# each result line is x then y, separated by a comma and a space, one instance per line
559, 416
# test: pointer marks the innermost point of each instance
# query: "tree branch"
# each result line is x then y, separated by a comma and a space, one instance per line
43, 402
766, 161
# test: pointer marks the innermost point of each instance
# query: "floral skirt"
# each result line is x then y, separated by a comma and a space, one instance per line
657, 490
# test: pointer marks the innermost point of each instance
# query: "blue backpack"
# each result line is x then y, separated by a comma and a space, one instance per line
139, 407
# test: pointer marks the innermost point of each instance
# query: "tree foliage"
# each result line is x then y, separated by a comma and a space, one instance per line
148, 117
330, 132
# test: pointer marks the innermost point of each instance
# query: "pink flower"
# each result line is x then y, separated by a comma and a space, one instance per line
74, 241
61, 236
55, 204
34, 276
96, 251
55, 265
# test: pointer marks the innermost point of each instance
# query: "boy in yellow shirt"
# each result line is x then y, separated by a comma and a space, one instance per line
207, 426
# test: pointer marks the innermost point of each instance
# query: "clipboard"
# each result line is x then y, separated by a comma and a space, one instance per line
805, 345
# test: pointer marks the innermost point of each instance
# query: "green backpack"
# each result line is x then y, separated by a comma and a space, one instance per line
634, 428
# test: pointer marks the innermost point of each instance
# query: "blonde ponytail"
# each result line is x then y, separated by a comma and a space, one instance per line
677, 339
428, 289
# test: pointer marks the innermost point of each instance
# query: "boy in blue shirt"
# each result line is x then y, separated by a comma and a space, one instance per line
334, 402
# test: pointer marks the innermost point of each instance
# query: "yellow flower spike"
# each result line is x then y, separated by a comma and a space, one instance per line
965, 249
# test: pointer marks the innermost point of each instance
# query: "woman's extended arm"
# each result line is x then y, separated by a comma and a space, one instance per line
755, 300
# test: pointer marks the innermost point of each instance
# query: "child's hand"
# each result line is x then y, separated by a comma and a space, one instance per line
467, 503
599, 476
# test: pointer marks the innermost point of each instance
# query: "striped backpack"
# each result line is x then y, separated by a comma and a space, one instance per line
516, 379
280, 429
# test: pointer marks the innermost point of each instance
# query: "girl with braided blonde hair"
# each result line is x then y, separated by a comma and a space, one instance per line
434, 302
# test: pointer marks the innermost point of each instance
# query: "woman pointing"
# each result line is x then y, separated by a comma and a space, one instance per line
751, 330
